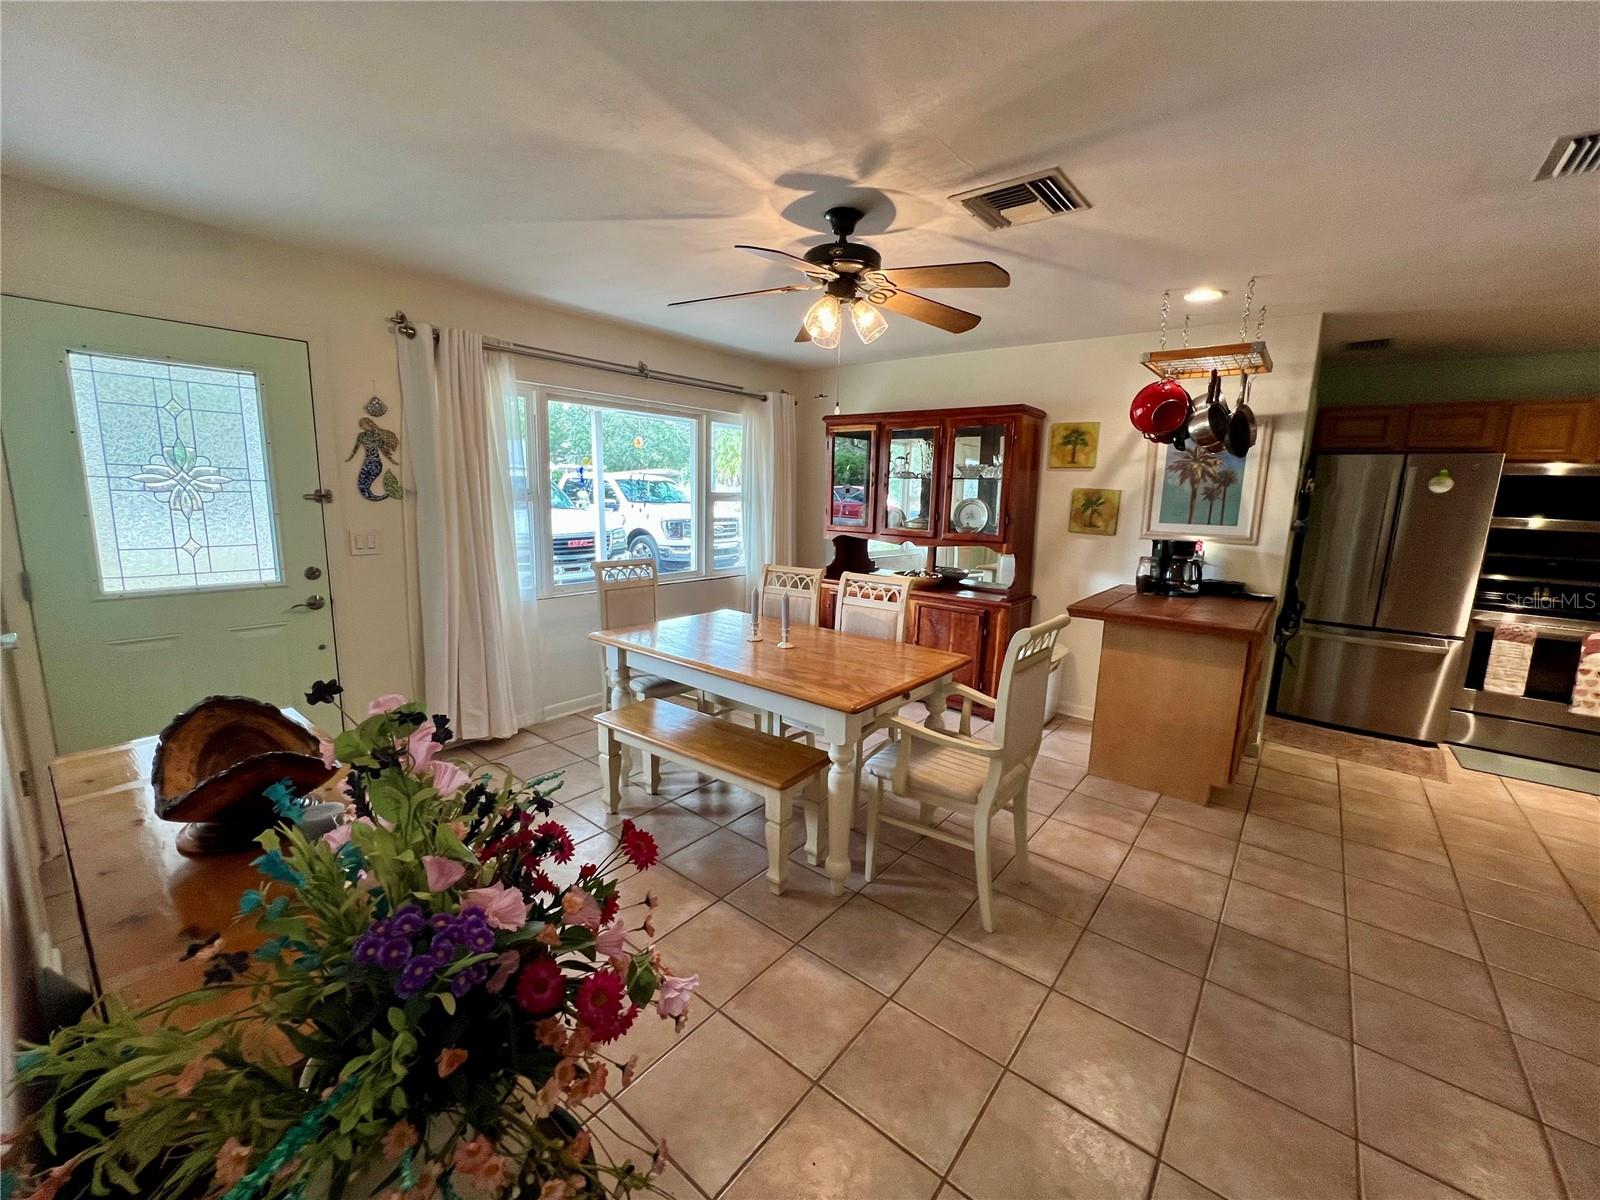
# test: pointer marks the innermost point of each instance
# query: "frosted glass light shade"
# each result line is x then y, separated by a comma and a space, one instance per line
824, 322
868, 321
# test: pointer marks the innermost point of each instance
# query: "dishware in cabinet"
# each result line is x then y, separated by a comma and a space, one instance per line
909, 480
976, 453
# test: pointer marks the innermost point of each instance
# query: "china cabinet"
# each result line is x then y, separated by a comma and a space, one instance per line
942, 488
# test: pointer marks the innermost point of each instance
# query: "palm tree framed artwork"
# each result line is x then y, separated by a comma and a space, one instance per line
1074, 445
1207, 494
1094, 510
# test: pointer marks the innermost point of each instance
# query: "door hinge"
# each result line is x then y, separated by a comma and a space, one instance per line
25, 782
25, 585
321, 496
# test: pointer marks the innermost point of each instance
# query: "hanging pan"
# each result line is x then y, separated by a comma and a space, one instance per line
1242, 424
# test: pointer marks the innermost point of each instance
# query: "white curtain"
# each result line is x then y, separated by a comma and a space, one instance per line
476, 664
769, 482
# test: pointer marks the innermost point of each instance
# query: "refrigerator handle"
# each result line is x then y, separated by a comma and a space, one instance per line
1436, 646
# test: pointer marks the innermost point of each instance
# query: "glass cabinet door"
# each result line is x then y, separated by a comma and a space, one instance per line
850, 479
908, 481
977, 480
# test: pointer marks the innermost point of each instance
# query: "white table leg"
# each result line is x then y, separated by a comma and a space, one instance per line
611, 764
844, 748
617, 677
779, 806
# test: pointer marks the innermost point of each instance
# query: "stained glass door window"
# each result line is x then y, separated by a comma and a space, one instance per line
180, 497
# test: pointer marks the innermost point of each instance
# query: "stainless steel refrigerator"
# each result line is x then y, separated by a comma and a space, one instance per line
1388, 573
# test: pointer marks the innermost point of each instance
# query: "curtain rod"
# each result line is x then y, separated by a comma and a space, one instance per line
636, 370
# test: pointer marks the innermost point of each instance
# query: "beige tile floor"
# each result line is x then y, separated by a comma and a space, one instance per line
1338, 980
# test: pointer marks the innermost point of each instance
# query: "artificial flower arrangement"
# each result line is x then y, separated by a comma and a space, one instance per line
450, 1003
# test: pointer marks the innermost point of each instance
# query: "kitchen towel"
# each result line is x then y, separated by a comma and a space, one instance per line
1586, 688
1510, 655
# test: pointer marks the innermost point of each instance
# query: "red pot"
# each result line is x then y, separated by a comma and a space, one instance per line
1160, 409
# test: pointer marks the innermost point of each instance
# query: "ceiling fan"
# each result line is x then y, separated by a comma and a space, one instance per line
851, 276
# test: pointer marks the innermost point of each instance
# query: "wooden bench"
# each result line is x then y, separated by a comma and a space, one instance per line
777, 770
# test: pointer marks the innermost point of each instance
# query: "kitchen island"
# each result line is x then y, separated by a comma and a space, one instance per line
1177, 694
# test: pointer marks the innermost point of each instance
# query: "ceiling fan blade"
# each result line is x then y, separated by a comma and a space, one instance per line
951, 275
930, 312
790, 287
789, 260
802, 336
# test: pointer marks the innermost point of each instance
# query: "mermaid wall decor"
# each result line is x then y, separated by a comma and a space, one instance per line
375, 444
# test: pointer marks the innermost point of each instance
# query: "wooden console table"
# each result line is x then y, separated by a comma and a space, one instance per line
141, 903
1176, 698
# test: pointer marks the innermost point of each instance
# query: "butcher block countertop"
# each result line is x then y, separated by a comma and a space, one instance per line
1220, 616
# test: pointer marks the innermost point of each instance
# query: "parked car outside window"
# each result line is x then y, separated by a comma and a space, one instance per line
657, 517
572, 538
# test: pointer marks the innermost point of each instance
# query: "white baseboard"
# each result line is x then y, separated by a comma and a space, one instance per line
1078, 712
567, 707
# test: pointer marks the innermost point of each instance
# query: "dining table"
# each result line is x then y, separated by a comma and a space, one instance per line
836, 683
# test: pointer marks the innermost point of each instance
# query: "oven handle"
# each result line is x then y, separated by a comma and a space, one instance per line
1436, 646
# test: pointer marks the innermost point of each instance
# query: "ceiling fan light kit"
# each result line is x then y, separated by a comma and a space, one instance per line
850, 274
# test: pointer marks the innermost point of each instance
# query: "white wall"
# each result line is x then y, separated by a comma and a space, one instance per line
1091, 380
78, 250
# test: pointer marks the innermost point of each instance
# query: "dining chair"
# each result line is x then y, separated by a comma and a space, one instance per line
803, 586
626, 590
961, 773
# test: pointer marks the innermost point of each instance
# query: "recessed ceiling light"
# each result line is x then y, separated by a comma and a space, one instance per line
1204, 295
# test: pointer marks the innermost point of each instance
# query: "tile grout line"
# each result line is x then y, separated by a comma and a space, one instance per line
1516, 1051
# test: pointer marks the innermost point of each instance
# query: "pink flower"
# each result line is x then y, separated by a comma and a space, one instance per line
401, 1137
555, 1189
505, 966
580, 908
421, 746
447, 777
473, 1157
612, 940
673, 999
450, 1060
233, 1160
504, 907
388, 702
443, 873
325, 748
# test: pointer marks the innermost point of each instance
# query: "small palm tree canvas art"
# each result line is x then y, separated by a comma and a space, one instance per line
1075, 445
1195, 492
1094, 510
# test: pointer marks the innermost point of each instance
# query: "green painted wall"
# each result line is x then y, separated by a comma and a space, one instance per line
1525, 377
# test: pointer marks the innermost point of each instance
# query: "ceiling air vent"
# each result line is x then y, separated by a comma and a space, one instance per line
1577, 155
1370, 344
1023, 200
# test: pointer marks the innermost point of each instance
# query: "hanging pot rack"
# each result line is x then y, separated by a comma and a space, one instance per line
1244, 357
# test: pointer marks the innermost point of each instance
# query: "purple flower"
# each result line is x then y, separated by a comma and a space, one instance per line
443, 944
468, 979
379, 928
441, 920
407, 921
366, 949
392, 953
417, 975
478, 938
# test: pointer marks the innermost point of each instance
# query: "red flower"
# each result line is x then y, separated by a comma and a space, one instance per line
609, 907
540, 882
638, 846
600, 1005
541, 988
557, 833
587, 871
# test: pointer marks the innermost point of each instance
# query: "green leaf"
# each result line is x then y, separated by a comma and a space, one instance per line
447, 1002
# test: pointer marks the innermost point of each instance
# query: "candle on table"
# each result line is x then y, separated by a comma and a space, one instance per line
783, 613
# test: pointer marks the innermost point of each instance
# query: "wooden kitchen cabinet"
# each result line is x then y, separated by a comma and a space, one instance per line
962, 620
1464, 427
1361, 430
1554, 431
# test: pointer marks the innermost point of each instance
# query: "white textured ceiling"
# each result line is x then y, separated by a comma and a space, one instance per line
1369, 161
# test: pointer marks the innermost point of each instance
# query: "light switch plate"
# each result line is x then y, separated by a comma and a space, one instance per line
364, 541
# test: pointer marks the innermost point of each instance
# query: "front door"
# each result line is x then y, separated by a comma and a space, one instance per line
160, 473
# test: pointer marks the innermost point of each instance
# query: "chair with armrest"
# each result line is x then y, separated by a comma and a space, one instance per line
962, 773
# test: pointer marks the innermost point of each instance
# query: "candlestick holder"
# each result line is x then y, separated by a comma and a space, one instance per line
755, 632
783, 639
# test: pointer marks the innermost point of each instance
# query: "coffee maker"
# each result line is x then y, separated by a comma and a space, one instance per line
1172, 568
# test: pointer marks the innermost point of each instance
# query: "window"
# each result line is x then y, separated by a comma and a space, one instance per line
624, 481
174, 457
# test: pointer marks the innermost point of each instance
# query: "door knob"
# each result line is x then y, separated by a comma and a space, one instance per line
313, 602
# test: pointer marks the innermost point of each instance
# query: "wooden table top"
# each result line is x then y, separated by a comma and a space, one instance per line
1218, 616
842, 671
141, 901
